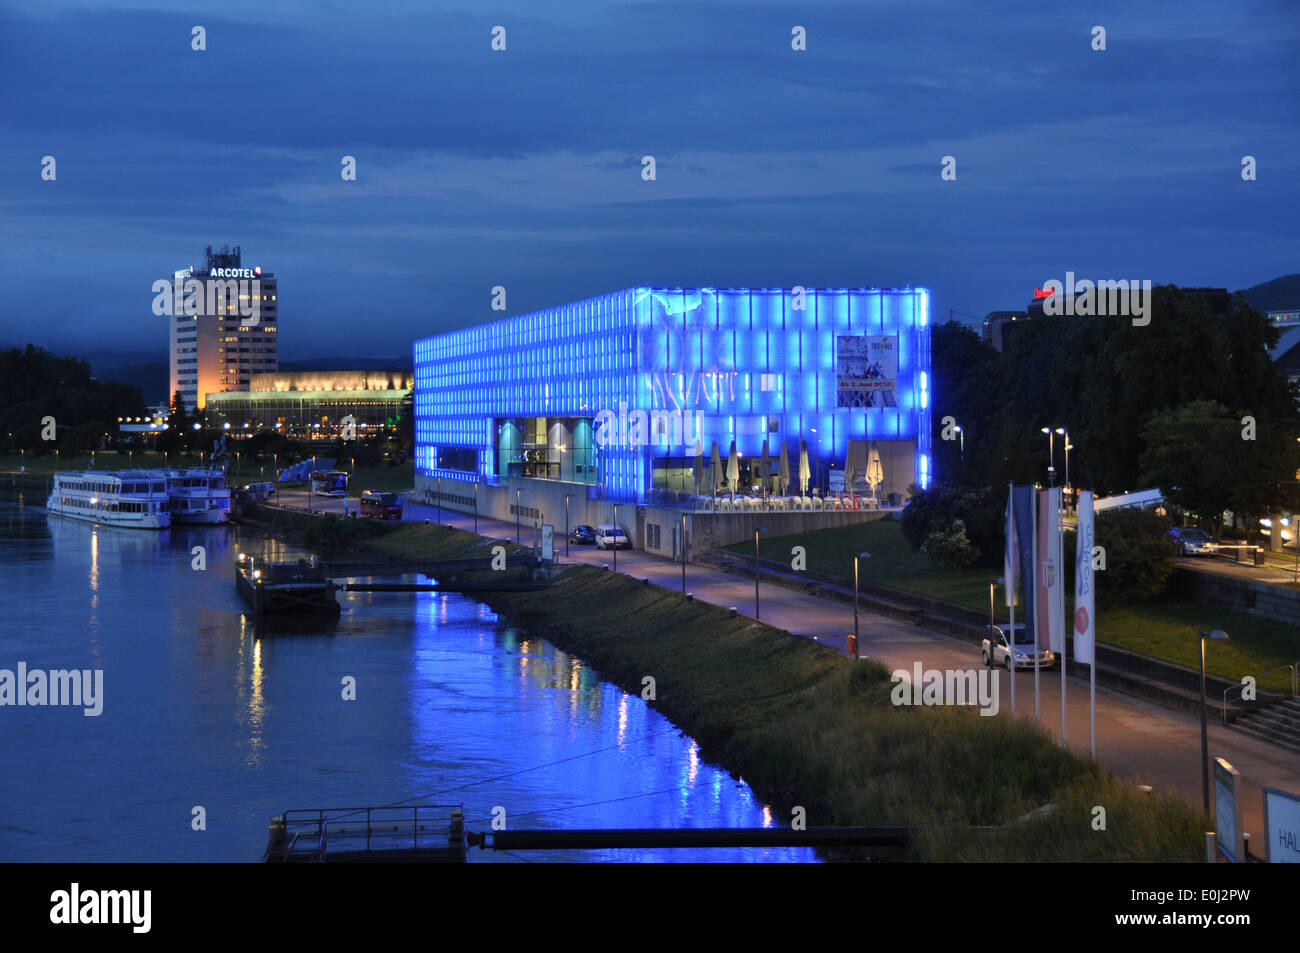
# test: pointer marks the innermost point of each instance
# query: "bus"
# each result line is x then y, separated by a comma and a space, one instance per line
329, 483
381, 505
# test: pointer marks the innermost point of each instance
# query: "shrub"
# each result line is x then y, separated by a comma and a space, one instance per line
950, 547
1139, 556
934, 510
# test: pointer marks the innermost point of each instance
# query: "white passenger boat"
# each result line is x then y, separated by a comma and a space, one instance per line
198, 496
135, 498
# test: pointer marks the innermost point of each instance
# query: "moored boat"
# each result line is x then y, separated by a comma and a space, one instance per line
198, 496
132, 498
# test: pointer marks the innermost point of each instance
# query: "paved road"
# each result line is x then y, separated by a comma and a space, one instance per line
1136, 740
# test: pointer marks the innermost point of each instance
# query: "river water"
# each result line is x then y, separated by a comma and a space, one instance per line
200, 711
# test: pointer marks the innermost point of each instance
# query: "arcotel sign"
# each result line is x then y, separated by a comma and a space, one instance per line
234, 272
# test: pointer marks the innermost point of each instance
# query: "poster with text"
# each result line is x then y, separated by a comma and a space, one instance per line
866, 370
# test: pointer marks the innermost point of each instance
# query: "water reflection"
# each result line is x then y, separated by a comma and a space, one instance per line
204, 706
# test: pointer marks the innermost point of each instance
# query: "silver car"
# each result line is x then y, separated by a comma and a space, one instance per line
1026, 654
1193, 541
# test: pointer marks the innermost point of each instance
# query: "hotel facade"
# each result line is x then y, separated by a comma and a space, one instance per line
214, 343
616, 398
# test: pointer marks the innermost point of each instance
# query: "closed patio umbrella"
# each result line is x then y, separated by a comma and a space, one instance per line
850, 471
733, 469
699, 464
804, 472
716, 471
783, 471
765, 469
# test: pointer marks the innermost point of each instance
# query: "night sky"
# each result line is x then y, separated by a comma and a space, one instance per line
522, 168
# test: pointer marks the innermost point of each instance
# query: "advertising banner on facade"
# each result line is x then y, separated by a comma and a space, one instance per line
866, 370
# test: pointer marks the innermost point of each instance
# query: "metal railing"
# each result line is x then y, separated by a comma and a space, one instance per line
1294, 684
309, 832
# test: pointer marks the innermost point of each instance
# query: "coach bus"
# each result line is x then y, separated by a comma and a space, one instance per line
329, 483
381, 505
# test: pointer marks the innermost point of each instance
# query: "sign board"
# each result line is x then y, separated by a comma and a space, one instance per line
1226, 815
548, 542
866, 370
1282, 826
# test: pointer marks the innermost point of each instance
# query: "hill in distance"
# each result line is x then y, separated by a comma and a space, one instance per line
1280, 294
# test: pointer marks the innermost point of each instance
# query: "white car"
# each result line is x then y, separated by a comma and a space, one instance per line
611, 537
1026, 657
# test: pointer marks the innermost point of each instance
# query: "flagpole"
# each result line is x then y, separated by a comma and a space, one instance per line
1012, 583
1060, 581
1036, 557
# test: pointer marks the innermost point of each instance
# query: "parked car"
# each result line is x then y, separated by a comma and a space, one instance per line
583, 535
1026, 656
259, 492
1193, 541
611, 537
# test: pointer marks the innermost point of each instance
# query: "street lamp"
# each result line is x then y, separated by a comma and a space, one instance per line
761, 529
961, 434
1011, 645
683, 542
1051, 451
1205, 745
856, 557
616, 534
566, 525
516, 517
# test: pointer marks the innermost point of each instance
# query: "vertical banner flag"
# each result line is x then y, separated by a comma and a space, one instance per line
1011, 552
1019, 567
1049, 605
1084, 614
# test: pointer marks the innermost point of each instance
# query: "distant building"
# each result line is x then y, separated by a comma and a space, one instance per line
222, 327
313, 403
998, 326
1287, 353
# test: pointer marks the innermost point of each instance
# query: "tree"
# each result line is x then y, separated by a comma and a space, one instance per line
1139, 552
1192, 455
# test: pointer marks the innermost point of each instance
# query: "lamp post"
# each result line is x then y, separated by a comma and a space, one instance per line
476, 506
516, 516
1205, 744
683, 541
1011, 645
761, 529
566, 526
1051, 451
961, 435
616, 532
439, 485
1068, 447
856, 557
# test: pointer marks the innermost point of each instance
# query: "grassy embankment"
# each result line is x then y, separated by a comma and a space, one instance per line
1165, 629
807, 727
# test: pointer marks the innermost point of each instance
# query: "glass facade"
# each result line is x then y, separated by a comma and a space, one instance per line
612, 390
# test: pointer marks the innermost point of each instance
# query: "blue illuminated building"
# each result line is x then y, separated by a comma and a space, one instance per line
619, 394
